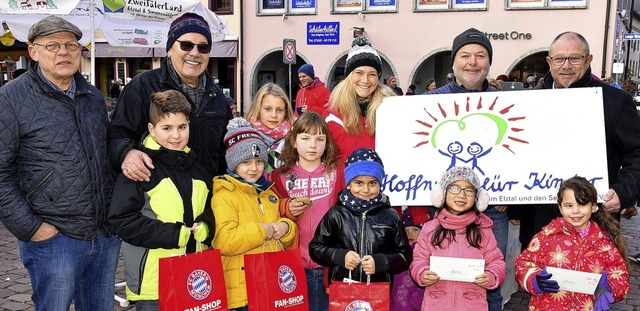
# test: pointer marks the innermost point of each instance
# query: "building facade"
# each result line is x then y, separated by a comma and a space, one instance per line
414, 36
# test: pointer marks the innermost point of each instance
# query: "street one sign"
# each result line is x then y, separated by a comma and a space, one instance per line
632, 36
289, 51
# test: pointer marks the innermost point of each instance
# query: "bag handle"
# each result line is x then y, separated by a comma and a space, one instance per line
351, 280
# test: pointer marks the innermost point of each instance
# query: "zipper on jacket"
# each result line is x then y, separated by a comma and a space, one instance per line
39, 183
361, 250
261, 208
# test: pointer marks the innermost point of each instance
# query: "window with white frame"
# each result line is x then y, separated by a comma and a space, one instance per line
447, 5
357, 6
276, 7
546, 4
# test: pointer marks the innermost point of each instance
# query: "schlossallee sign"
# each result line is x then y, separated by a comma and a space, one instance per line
522, 144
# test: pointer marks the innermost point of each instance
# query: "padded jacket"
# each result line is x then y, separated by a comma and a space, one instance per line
377, 232
207, 122
53, 163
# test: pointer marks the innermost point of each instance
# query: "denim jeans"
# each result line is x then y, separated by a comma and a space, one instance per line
63, 269
318, 297
501, 232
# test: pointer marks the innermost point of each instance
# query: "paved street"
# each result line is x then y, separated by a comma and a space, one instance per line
15, 289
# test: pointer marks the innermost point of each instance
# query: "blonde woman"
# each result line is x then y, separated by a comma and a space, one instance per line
352, 112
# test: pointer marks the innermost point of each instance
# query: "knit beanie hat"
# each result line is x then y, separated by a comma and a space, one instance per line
362, 54
364, 162
186, 23
456, 173
415, 216
471, 36
243, 143
308, 70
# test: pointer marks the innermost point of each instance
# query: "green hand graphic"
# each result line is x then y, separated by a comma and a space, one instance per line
114, 5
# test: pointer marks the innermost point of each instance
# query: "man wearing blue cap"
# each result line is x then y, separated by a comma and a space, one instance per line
184, 70
313, 94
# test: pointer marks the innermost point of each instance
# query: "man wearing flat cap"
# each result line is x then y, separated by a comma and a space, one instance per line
471, 55
184, 70
55, 177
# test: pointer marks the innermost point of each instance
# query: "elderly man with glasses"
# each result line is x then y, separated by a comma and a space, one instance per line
185, 70
570, 67
55, 178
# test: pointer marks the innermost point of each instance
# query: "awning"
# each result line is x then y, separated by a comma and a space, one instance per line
105, 50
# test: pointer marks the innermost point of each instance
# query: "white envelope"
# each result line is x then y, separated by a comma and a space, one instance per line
457, 269
575, 281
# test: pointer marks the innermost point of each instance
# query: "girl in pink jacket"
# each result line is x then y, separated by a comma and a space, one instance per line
586, 238
458, 230
308, 183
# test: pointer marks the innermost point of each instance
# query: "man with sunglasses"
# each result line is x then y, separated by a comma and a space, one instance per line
570, 67
55, 178
184, 70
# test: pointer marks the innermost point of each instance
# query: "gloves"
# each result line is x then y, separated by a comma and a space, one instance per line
201, 233
543, 283
184, 236
603, 294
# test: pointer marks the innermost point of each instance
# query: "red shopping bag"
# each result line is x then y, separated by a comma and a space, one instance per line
276, 281
192, 282
359, 296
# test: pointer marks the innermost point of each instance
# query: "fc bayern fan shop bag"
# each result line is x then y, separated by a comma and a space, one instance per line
193, 281
276, 281
353, 295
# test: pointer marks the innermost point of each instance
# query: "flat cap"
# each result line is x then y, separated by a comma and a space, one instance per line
50, 25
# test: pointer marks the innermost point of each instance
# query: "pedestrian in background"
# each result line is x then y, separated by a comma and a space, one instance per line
351, 116
55, 178
392, 83
313, 95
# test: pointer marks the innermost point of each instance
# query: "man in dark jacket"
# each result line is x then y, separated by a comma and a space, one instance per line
570, 67
55, 177
184, 70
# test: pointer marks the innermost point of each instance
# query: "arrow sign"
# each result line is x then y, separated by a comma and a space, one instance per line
632, 36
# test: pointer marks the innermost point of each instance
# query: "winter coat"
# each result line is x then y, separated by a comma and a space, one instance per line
53, 164
406, 295
321, 187
207, 122
377, 232
453, 295
239, 211
560, 245
623, 149
348, 143
315, 96
148, 216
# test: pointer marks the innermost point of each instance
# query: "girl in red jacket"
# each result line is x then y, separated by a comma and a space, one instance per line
586, 238
458, 230
308, 183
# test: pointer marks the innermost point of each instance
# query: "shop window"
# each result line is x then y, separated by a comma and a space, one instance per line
363, 6
546, 4
221, 6
293, 7
450, 5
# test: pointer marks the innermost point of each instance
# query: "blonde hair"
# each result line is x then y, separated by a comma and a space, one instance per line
253, 114
344, 100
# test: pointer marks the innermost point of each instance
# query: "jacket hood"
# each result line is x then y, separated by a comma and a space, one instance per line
173, 158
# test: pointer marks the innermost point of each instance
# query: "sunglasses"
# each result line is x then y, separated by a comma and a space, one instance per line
187, 46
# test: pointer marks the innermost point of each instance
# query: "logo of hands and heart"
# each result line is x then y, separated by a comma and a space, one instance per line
114, 6
469, 135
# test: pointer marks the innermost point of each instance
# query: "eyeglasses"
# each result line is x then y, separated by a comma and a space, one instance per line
53, 46
187, 46
573, 60
456, 190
